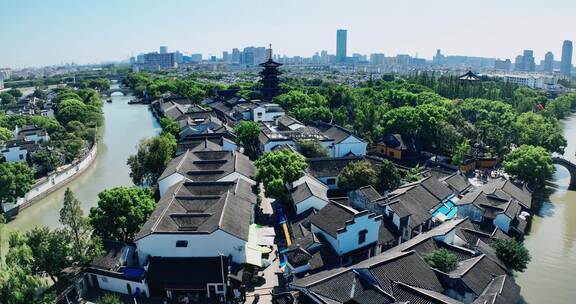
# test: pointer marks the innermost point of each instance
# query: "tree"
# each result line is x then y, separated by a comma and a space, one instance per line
530, 164
389, 177
16, 180
357, 174
313, 148
442, 260
5, 134
151, 159
47, 160
537, 130
121, 212
41, 251
7, 99
15, 92
84, 247
412, 175
460, 152
169, 126
18, 286
276, 168
512, 253
247, 133
109, 299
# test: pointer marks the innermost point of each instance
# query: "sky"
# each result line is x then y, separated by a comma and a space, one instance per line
48, 32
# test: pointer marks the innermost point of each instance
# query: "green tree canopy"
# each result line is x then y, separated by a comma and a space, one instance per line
442, 260
313, 148
530, 164
15, 92
169, 126
389, 177
247, 133
512, 253
121, 212
5, 134
460, 152
357, 174
16, 180
7, 99
537, 130
276, 168
151, 159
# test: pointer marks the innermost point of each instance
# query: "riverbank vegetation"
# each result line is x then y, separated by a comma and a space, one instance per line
42, 252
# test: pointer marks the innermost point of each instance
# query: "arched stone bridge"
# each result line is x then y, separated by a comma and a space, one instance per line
122, 90
568, 165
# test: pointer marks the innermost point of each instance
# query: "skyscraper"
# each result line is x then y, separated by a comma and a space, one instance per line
548, 62
163, 49
528, 59
341, 45
566, 64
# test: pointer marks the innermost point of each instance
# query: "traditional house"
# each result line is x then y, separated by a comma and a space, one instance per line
499, 203
220, 140
308, 193
117, 270
352, 234
396, 146
207, 165
17, 150
267, 112
31, 133
345, 142
327, 169
199, 219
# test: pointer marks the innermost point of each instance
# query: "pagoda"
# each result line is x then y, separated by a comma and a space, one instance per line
270, 80
469, 77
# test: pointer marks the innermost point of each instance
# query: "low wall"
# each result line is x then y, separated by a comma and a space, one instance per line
52, 182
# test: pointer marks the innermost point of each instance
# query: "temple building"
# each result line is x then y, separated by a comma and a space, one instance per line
270, 80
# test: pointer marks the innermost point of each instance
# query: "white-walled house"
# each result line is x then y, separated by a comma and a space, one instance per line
207, 165
31, 133
347, 230
267, 112
345, 143
199, 219
17, 150
308, 193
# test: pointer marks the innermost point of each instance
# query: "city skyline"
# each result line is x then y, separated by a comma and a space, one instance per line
107, 31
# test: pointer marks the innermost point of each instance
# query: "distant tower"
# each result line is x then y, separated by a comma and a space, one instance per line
548, 62
270, 80
341, 45
163, 49
566, 64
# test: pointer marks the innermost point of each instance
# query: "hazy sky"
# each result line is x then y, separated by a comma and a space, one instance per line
44, 32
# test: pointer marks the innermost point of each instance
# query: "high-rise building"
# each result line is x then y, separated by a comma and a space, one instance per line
528, 59
503, 65
155, 61
225, 56
236, 55
377, 59
566, 64
548, 64
438, 58
341, 45
163, 49
196, 57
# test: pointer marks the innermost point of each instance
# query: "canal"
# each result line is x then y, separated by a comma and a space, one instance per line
551, 274
125, 125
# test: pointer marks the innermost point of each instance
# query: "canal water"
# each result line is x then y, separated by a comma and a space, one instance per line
125, 126
551, 275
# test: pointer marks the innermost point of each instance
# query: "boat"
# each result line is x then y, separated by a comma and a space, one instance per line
109, 100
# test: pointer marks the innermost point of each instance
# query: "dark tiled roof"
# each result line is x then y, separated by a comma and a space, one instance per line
429, 245
297, 256
333, 217
502, 289
369, 193
399, 142
203, 207
458, 182
114, 255
477, 273
308, 187
329, 167
209, 165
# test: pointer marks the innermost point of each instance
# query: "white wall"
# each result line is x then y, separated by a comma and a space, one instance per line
311, 202
348, 239
350, 144
266, 116
119, 285
199, 245
502, 221
168, 182
14, 154
54, 181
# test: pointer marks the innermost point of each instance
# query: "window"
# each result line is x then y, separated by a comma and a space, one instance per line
362, 236
181, 243
260, 115
220, 287
21, 156
330, 181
